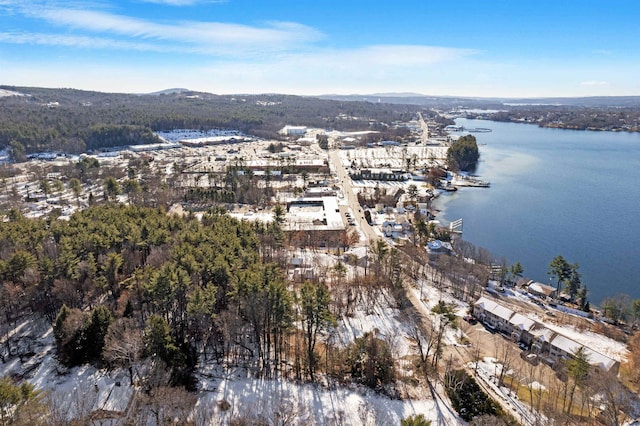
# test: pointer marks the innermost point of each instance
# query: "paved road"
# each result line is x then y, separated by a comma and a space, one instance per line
459, 356
425, 129
344, 181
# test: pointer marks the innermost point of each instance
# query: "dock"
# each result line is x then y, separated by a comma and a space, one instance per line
469, 181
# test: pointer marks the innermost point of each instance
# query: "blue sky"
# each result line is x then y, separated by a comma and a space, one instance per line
503, 48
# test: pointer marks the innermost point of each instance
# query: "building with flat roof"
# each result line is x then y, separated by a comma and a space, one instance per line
314, 214
315, 221
293, 130
379, 174
213, 140
295, 165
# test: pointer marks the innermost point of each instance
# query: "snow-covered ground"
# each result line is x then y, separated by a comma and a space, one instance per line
5, 92
74, 391
225, 394
385, 321
184, 134
228, 394
308, 404
488, 371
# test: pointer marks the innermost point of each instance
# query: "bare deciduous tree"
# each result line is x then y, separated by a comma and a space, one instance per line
123, 345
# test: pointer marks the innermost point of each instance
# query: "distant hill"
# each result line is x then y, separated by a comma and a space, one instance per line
590, 102
488, 103
70, 120
443, 102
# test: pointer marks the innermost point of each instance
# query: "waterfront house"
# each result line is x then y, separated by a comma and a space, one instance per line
542, 290
439, 247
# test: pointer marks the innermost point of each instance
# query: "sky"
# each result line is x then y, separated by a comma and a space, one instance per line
477, 48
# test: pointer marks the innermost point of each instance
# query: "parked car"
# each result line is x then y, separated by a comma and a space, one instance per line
470, 319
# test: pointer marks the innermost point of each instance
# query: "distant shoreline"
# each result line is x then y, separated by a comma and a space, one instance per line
563, 126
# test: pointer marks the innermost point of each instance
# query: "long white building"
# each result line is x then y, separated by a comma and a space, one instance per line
549, 344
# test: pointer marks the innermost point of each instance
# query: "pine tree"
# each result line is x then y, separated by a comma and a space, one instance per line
316, 317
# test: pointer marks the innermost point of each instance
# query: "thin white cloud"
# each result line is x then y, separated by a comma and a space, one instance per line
280, 40
594, 83
364, 70
208, 37
282, 57
81, 42
183, 2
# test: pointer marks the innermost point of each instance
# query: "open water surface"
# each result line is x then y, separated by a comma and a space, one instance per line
556, 192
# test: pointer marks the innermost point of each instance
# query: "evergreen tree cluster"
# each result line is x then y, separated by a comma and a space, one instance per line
122, 284
467, 397
463, 154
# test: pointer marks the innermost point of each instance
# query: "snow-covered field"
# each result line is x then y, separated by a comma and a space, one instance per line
307, 404
5, 92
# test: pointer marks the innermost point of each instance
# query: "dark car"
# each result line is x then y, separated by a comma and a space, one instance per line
470, 319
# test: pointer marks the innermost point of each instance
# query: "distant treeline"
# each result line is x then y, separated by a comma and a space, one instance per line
111, 135
73, 121
571, 117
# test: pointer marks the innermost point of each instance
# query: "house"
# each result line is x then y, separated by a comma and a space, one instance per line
439, 247
302, 274
542, 290
561, 347
523, 282
315, 192
541, 342
305, 141
296, 262
392, 229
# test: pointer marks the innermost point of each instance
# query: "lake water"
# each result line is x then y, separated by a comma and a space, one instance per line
556, 192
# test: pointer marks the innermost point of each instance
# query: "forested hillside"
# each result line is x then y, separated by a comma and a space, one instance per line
73, 121
124, 283
184, 285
